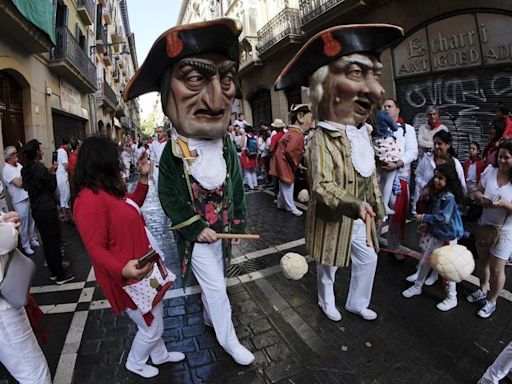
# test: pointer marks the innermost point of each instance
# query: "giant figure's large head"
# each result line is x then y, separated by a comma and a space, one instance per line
194, 68
342, 68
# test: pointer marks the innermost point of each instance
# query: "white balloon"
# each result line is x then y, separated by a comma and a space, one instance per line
453, 262
294, 266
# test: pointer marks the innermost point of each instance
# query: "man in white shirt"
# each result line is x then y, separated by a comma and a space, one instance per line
399, 202
240, 121
155, 152
63, 178
427, 131
19, 198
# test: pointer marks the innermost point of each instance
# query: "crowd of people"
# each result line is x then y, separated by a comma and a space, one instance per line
358, 154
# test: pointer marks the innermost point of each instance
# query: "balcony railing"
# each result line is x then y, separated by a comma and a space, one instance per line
68, 53
106, 93
86, 10
101, 39
286, 23
310, 9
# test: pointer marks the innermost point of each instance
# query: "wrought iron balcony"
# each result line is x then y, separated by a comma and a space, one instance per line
311, 9
106, 95
285, 24
101, 39
71, 61
86, 10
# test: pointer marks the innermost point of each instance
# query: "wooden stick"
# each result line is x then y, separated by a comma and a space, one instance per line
237, 236
368, 222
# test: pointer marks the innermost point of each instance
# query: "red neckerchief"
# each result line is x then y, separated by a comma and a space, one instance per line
477, 158
162, 140
436, 124
400, 120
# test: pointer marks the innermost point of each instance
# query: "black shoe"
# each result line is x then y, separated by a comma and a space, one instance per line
64, 279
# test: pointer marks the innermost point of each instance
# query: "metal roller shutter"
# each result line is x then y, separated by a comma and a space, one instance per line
466, 99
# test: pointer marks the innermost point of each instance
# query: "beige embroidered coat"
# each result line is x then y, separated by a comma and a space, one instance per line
337, 190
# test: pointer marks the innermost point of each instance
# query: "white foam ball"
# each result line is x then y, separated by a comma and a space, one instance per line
453, 262
303, 196
294, 266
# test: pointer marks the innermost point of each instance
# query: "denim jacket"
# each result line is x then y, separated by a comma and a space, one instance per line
445, 220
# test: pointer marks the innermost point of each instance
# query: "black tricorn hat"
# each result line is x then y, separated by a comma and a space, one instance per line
333, 43
213, 36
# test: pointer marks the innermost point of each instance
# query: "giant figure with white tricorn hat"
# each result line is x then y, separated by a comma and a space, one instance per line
200, 185
342, 68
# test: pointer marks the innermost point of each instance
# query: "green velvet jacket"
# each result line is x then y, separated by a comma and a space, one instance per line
175, 193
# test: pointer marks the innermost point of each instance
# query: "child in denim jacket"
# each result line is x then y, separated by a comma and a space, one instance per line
445, 226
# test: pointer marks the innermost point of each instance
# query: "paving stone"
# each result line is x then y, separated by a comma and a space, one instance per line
260, 326
265, 339
285, 369
175, 311
197, 359
193, 330
173, 322
187, 345
172, 334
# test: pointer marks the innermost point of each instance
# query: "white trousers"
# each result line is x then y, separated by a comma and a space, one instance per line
285, 196
364, 264
64, 193
148, 340
208, 268
386, 186
19, 351
28, 226
500, 368
250, 178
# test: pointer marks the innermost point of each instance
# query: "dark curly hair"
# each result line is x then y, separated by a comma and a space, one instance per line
98, 166
452, 180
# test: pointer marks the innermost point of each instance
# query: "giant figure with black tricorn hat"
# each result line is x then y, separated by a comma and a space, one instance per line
200, 185
342, 68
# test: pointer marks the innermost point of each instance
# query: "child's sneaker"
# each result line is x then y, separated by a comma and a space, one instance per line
413, 290
447, 304
487, 310
432, 278
412, 278
476, 296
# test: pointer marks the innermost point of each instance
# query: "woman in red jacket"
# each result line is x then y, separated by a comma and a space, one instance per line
114, 235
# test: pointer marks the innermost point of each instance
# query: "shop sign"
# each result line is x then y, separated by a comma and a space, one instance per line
70, 99
456, 42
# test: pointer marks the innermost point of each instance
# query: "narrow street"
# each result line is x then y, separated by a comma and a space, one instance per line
278, 319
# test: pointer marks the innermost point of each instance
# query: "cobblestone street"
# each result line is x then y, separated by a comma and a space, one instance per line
277, 319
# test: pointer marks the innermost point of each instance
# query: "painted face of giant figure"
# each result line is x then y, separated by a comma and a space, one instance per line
202, 90
351, 89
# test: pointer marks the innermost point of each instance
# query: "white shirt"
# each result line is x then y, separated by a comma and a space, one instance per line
62, 160
427, 166
156, 149
495, 216
472, 173
9, 174
408, 145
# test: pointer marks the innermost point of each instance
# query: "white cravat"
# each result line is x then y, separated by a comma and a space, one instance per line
209, 167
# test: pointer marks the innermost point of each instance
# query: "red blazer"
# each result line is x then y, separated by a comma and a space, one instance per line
113, 233
480, 166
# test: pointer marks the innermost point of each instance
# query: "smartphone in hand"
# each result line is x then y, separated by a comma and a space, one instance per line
54, 157
149, 257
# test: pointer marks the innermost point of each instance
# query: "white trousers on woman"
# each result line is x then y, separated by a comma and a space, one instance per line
148, 340
208, 268
500, 368
28, 226
364, 264
19, 350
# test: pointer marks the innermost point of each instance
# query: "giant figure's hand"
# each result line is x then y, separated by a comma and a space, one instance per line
365, 208
207, 235
12, 217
